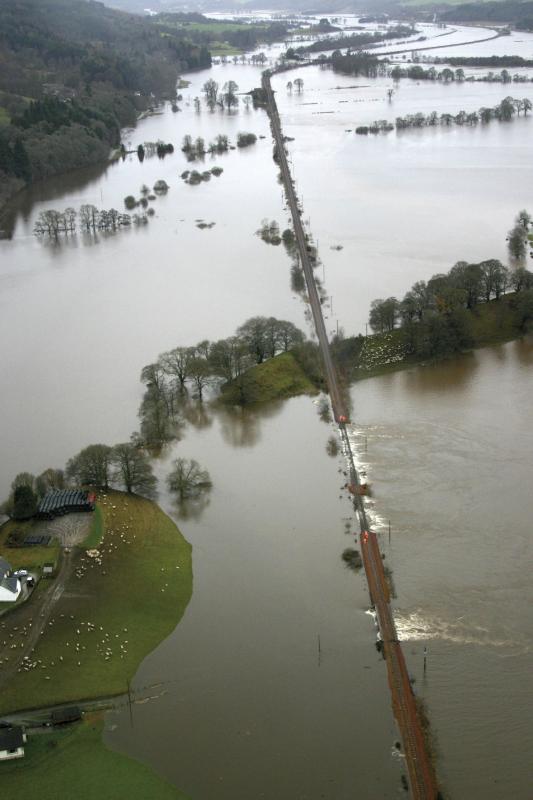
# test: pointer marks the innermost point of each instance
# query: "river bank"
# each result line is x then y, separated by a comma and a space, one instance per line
380, 353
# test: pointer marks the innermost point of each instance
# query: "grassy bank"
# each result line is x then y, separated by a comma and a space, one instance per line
488, 324
114, 611
278, 378
75, 762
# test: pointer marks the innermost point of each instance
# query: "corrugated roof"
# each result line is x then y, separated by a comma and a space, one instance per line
11, 738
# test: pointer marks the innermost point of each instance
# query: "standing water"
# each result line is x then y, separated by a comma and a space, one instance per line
248, 705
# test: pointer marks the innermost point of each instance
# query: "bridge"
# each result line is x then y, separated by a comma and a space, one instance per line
421, 775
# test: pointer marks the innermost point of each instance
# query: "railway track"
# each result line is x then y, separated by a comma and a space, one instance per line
421, 776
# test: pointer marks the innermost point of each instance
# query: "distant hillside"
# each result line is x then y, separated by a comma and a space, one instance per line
518, 14
72, 74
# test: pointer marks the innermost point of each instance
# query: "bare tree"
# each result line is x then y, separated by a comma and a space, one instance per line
133, 469
210, 89
91, 467
200, 374
187, 479
176, 363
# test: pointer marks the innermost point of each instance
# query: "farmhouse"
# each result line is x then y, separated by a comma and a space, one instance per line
9, 583
12, 740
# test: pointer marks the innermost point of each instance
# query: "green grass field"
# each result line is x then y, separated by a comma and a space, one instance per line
4, 117
275, 379
76, 763
112, 614
97, 530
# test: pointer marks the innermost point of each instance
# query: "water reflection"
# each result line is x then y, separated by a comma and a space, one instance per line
192, 508
22, 205
241, 427
197, 413
453, 375
523, 351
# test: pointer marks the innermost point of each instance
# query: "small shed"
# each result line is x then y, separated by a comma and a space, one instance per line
12, 741
62, 716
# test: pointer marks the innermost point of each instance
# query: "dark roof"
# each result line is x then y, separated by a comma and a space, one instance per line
34, 539
63, 499
11, 738
11, 583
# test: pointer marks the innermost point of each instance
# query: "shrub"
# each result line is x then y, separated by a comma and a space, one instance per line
246, 139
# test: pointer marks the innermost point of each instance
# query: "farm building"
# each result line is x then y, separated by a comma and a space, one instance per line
58, 502
9, 583
12, 740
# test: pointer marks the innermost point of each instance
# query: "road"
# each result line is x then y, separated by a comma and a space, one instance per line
421, 776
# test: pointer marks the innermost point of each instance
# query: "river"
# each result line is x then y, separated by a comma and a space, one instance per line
248, 706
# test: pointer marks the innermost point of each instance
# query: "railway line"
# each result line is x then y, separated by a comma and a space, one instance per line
421, 775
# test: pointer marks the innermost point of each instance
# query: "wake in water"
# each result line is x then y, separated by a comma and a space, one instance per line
417, 626
358, 443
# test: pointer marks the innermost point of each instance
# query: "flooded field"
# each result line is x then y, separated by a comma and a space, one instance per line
247, 703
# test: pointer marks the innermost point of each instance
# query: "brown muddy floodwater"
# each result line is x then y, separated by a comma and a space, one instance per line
243, 704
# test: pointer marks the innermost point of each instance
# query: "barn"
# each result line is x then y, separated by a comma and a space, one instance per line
58, 502
12, 740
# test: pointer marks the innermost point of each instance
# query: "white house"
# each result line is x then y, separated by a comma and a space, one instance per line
9, 583
12, 741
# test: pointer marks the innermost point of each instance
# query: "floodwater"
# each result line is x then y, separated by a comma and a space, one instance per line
450, 454
403, 205
271, 685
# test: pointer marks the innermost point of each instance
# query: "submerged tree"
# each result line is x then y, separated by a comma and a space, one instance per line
210, 89
230, 97
187, 479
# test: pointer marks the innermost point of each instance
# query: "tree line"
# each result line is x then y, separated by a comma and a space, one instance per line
205, 31
89, 219
126, 467
418, 73
176, 372
357, 41
504, 112
516, 12
365, 64
434, 316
